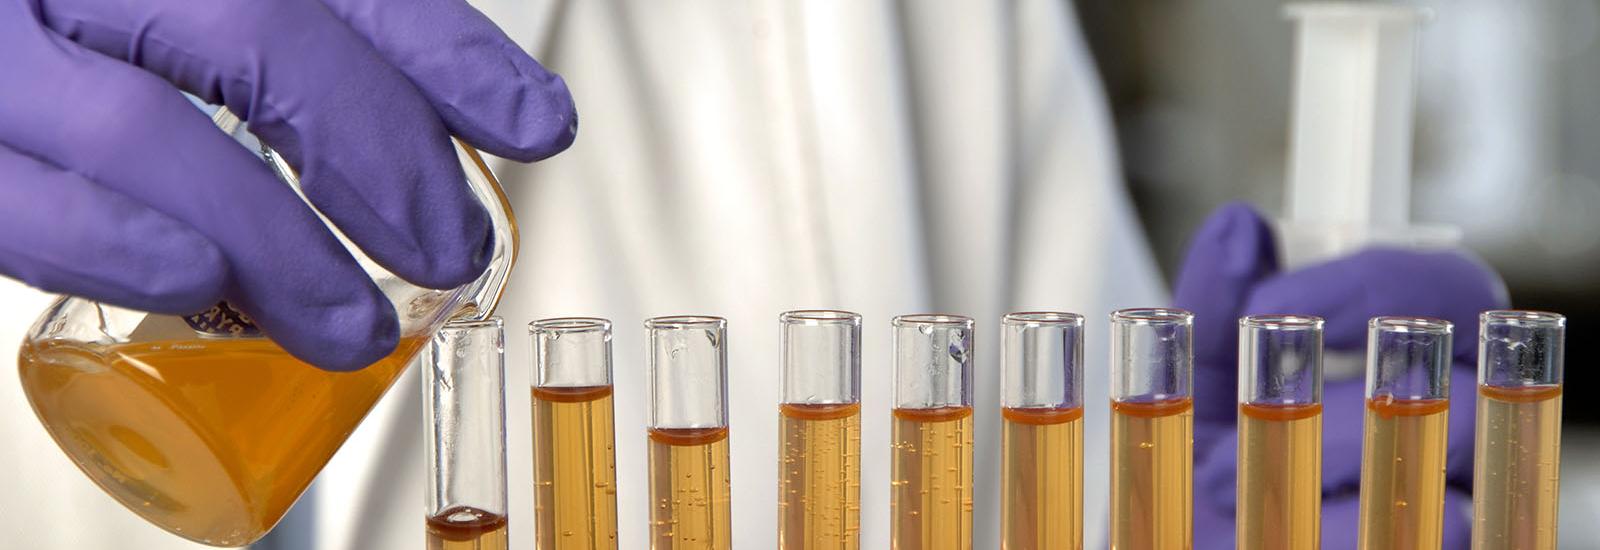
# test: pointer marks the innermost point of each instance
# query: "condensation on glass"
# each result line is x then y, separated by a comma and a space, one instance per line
574, 435
1403, 449
1041, 456
690, 485
1152, 429
930, 497
819, 453
1280, 433
1517, 468
464, 419
132, 397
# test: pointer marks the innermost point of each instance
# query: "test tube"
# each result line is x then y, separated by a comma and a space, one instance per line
1518, 456
574, 435
1041, 456
1403, 450
465, 432
819, 454
930, 488
1280, 433
1152, 429
690, 487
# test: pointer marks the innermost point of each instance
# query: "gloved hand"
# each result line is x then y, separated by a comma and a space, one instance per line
113, 187
1231, 271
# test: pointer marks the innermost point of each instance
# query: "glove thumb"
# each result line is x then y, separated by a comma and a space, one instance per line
1232, 252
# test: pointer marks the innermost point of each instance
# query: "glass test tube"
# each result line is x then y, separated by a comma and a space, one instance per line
1152, 429
465, 419
819, 454
690, 486
574, 435
1403, 450
1041, 457
930, 488
1280, 433
1518, 455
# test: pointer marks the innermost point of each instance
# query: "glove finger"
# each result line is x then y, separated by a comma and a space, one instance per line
66, 235
1229, 255
371, 152
1349, 291
134, 135
487, 89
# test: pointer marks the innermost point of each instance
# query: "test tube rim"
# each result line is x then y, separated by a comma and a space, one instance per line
1282, 321
1042, 318
570, 325
1524, 318
472, 324
932, 320
1411, 324
820, 317
1152, 316
686, 322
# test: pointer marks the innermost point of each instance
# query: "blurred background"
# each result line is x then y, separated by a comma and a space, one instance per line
1507, 148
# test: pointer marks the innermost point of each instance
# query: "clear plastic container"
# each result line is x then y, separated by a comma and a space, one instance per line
201, 425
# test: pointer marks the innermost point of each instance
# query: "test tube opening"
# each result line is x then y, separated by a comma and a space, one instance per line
821, 357
1280, 360
571, 354
1519, 349
932, 362
464, 416
1408, 359
1041, 360
688, 378
1152, 355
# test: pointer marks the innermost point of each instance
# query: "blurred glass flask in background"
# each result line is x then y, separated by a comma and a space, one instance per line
200, 424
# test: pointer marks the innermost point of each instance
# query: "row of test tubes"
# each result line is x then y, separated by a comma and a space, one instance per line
1279, 439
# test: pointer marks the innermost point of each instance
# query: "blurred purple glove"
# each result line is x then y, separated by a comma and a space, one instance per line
115, 188
1232, 271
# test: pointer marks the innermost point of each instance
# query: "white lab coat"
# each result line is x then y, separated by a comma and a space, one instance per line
741, 159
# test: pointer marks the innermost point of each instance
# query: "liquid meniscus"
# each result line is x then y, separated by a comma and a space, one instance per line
1402, 474
575, 468
1280, 477
1041, 473
819, 476
1517, 482
930, 493
1152, 475
466, 528
691, 492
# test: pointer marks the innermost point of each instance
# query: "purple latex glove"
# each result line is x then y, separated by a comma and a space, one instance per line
1232, 271
113, 187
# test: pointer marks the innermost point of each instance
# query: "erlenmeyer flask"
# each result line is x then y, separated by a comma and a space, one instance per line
200, 424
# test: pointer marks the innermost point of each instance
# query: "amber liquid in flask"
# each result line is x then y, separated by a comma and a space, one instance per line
819, 486
467, 528
691, 492
202, 426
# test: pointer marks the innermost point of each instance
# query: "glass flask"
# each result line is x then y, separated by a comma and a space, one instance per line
202, 425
